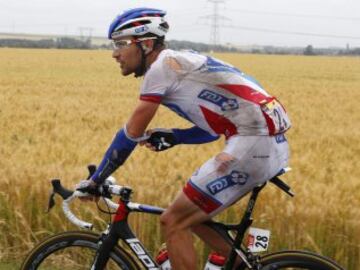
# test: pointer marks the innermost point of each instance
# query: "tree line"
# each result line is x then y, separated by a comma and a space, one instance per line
73, 43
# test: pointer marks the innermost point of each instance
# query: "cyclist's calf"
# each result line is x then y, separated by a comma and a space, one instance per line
212, 239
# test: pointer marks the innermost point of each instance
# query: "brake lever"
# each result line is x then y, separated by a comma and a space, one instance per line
92, 170
51, 202
59, 189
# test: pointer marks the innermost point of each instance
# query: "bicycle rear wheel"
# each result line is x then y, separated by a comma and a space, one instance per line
74, 250
297, 260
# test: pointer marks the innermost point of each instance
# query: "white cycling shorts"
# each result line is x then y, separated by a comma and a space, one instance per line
256, 159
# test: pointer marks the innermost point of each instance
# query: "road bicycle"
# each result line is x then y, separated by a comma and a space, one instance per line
88, 250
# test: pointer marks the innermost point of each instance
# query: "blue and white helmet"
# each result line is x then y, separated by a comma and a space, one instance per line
139, 22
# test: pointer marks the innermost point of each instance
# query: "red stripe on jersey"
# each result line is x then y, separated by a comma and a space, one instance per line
151, 98
246, 92
270, 124
219, 123
254, 96
205, 202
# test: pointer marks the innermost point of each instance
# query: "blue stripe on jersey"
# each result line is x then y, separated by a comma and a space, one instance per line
251, 79
213, 65
175, 108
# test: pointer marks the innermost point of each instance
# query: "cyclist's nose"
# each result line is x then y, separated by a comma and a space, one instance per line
116, 53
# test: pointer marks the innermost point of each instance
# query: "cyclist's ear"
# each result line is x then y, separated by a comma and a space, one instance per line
147, 46
146, 49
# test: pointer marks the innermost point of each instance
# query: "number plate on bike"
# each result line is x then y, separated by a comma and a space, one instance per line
258, 240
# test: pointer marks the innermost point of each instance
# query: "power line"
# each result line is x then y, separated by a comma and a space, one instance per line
290, 32
267, 30
296, 15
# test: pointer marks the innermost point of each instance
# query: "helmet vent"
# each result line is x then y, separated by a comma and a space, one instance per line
138, 23
165, 25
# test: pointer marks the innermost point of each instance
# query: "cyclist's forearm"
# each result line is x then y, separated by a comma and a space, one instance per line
119, 150
194, 135
125, 140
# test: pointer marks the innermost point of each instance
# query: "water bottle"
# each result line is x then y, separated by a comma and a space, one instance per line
162, 259
215, 261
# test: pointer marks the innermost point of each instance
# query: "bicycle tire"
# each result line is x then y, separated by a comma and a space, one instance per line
85, 242
294, 260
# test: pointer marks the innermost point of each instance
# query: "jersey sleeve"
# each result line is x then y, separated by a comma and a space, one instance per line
157, 81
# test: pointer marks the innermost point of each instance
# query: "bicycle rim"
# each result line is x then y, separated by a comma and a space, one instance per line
297, 260
73, 250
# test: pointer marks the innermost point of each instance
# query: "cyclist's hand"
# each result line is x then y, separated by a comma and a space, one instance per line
88, 189
160, 139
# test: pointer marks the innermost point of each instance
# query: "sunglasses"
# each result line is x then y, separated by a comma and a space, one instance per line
124, 43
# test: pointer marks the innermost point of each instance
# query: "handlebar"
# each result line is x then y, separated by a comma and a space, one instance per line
105, 191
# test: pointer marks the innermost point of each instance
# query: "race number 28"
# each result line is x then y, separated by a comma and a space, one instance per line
258, 240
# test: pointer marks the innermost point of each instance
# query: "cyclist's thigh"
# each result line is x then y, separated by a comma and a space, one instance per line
183, 213
245, 162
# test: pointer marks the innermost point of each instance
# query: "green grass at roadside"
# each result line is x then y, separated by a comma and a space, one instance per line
9, 266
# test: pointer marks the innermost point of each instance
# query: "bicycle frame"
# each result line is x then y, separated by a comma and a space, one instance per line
120, 229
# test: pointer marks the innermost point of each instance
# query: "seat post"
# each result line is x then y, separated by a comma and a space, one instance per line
245, 223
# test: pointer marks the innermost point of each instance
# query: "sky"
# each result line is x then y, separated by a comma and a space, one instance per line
320, 23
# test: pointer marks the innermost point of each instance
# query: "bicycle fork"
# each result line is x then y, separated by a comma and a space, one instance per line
106, 243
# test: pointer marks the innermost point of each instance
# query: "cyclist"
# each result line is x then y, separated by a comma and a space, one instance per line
218, 99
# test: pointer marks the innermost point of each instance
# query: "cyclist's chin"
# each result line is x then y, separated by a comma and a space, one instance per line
125, 71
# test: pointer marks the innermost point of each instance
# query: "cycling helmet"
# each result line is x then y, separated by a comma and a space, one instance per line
139, 22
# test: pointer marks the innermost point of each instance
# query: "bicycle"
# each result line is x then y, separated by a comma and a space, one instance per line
97, 251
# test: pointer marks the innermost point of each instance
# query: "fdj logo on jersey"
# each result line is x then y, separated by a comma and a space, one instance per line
234, 178
226, 104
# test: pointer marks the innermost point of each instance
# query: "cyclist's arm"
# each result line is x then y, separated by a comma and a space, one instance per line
163, 139
193, 135
125, 140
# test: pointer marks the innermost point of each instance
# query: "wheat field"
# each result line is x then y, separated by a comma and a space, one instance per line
60, 108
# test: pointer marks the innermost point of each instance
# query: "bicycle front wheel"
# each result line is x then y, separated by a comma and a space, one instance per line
74, 250
296, 260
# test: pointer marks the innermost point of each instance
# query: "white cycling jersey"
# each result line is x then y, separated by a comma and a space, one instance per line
213, 95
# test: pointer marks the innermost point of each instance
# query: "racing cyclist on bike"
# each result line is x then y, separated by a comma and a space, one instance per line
218, 99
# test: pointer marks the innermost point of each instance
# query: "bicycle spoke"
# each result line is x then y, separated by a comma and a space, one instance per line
75, 251
75, 258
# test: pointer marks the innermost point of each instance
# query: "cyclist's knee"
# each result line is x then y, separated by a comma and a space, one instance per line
175, 220
169, 222
165, 219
